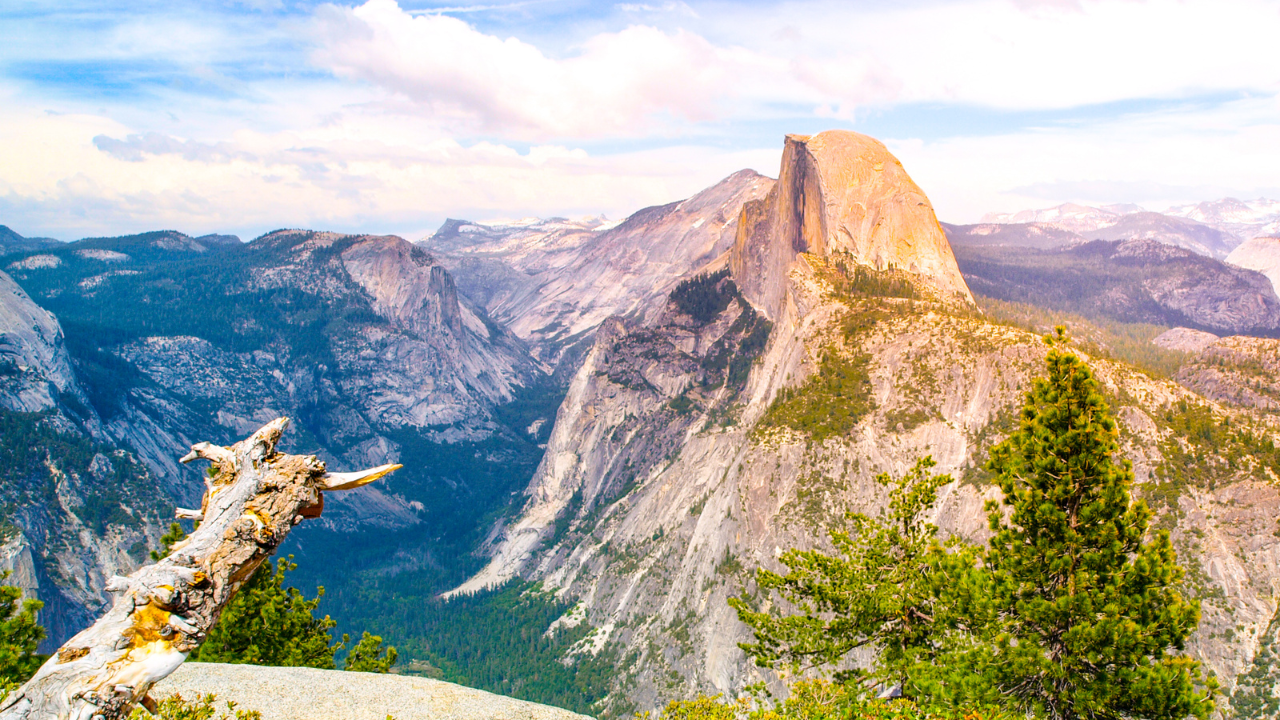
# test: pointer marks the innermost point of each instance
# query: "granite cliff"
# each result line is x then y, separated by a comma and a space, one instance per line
1261, 254
77, 507
841, 194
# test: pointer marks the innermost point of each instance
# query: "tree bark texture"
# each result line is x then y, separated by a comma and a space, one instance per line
253, 498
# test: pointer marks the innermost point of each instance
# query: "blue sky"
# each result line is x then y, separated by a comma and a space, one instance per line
388, 117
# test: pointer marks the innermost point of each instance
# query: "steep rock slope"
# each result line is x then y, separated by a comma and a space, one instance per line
553, 282
1130, 281
841, 193
33, 354
655, 501
74, 509
1261, 254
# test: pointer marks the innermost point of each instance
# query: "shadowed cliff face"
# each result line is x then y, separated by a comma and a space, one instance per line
841, 193
34, 365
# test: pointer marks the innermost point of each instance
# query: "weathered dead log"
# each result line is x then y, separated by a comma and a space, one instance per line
253, 498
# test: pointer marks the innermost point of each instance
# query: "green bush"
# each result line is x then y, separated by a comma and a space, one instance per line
174, 707
20, 634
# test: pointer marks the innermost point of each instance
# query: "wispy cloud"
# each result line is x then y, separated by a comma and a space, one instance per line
667, 7
619, 83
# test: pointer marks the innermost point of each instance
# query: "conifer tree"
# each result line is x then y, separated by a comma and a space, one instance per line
269, 624
1088, 620
20, 634
369, 655
877, 592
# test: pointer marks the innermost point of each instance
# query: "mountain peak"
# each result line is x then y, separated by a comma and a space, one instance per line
841, 192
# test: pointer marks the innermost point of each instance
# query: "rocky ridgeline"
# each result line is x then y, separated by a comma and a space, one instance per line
656, 500
554, 282
1211, 228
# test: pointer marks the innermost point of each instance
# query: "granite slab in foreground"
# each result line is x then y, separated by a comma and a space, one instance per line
310, 694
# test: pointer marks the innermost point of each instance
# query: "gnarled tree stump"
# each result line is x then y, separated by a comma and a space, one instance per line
162, 612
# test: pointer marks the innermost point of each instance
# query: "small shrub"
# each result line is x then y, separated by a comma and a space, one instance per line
175, 707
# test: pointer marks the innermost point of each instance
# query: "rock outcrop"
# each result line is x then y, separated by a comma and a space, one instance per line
841, 193
1261, 254
34, 364
1185, 340
309, 694
1239, 371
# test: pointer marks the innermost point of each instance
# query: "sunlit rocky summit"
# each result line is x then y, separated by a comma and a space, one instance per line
841, 194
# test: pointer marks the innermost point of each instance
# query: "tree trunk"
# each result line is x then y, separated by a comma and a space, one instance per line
253, 498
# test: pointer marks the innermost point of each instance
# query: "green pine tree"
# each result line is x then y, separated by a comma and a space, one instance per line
876, 592
369, 655
1087, 618
269, 624
20, 634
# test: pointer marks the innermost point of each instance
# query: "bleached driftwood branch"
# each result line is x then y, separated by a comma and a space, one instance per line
165, 610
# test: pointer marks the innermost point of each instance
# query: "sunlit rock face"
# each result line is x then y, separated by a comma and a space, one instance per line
840, 192
1261, 254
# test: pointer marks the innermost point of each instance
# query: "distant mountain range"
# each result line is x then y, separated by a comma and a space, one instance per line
1209, 228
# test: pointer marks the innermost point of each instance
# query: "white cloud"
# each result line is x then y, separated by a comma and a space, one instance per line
615, 84
1016, 54
75, 175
